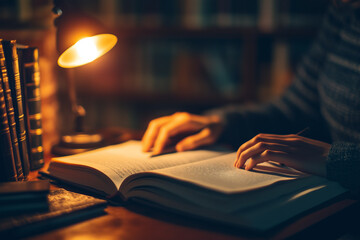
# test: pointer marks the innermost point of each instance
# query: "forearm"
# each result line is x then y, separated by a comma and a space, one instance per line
277, 117
243, 122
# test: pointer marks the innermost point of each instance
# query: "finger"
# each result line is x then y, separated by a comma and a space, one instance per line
204, 137
169, 130
258, 139
267, 155
290, 139
259, 148
267, 135
152, 132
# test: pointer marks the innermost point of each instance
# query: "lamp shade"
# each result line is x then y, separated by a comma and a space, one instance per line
81, 39
86, 50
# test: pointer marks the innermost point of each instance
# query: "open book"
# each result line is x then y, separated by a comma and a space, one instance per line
202, 183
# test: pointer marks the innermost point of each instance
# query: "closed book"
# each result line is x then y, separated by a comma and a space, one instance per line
18, 198
10, 114
7, 163
12, 66
30, 82
65, 208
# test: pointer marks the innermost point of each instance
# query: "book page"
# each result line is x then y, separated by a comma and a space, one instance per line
122, 160
219, 174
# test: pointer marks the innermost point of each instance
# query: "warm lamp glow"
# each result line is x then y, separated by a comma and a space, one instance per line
87, 50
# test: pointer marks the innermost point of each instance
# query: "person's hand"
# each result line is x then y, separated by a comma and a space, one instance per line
303, 154
194, 131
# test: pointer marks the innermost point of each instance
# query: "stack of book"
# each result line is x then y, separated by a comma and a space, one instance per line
28, 208
17, 198
20, 114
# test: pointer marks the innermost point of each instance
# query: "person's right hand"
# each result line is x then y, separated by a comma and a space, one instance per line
200, 131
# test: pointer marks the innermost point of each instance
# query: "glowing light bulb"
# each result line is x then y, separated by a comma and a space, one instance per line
87, 50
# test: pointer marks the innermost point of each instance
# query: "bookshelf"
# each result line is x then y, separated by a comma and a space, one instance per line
182, 55
191, 55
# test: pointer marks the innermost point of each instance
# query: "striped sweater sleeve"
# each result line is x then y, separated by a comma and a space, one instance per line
343, 165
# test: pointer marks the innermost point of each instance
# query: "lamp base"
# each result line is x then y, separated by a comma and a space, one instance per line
77, 143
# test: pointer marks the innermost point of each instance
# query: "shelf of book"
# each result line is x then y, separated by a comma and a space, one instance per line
201, 52
166, 99
213, 32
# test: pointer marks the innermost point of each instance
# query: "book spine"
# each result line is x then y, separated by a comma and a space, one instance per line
10, 114
30, 78
267, 13
7, 162
12, 65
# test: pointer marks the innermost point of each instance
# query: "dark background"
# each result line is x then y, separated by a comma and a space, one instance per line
172, 55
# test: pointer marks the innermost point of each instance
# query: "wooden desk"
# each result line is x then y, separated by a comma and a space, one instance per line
135, 221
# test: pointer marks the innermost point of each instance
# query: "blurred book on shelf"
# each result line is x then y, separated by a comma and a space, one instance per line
195, 14
300, 13
21, 14
190, 14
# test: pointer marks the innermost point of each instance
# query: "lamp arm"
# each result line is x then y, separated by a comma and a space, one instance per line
78, 111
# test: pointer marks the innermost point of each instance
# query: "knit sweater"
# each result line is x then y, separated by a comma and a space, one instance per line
324, 95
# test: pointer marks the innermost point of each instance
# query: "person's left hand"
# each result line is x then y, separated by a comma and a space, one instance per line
301, 153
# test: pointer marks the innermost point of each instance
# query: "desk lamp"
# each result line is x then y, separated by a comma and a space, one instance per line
80, 39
